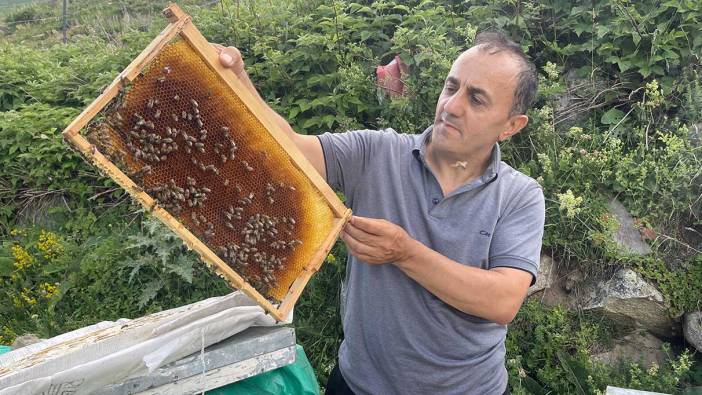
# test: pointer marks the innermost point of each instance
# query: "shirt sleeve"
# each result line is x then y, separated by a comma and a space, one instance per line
518, 234
346, 157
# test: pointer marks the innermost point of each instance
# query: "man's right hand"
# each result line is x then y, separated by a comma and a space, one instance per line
230, 57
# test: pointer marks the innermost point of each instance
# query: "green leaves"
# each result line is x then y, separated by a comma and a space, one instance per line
612, 116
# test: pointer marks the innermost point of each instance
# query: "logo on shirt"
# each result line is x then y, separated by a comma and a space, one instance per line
485, 233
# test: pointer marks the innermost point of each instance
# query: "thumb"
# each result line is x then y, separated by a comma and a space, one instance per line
230, 57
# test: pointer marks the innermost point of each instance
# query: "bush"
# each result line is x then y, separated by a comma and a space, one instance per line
629, 135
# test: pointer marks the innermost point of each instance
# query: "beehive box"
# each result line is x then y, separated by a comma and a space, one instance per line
188, 141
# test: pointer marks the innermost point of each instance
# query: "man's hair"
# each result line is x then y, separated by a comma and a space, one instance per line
527, 80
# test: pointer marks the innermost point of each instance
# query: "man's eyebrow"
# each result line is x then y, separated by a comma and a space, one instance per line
471, 89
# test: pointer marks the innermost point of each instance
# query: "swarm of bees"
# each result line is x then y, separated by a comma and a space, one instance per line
194, 163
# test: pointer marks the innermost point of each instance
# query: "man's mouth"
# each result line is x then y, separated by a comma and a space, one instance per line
448, 123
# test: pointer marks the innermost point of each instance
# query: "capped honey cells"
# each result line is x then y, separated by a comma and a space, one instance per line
190, 143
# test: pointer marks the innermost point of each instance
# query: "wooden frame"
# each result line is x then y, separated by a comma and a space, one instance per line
180, 24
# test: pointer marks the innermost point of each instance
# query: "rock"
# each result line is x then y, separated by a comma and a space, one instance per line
642, 348
627, 236
696, 135
626, 391
544, 278
573, 279
692, 329
629, 300
25, 340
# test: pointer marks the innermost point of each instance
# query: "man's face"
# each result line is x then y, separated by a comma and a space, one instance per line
473, 110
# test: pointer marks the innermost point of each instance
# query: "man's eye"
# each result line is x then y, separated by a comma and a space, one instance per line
450, 88
475, 100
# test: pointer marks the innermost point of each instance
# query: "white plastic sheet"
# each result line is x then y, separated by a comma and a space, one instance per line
90, 358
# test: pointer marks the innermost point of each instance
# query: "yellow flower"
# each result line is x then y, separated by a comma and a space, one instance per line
27, 297
22, 258
49, 245
48, 291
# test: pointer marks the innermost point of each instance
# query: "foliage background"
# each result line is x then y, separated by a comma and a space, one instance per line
619, 114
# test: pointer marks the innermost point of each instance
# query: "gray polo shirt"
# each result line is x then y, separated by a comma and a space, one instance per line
399, 337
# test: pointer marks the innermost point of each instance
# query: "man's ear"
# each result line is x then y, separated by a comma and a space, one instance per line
516, 124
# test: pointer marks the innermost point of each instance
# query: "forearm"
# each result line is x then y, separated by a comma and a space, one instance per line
489, 294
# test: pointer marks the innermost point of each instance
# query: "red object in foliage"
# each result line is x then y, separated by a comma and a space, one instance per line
390, 77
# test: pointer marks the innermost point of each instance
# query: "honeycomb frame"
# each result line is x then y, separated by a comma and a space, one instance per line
182, 28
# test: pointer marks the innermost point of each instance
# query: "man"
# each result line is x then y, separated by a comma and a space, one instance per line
446, 238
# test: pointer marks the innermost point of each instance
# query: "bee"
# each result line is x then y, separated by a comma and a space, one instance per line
167, 70
161, 79
157, 115
176, 97
199, 121
193, 102
247, 166
119, 117
226, 182
183, 114
150, 104
175, 117
225, 129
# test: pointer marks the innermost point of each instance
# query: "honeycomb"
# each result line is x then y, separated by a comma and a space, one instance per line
185, 138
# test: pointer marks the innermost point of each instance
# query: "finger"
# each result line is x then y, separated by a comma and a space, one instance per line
359, 234
230, 57
369, 225
355, 245
352, 247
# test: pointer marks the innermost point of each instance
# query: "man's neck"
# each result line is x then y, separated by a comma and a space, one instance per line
452, 171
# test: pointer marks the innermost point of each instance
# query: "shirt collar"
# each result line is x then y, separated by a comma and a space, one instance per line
419, 150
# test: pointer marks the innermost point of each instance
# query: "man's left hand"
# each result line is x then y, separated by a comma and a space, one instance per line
376, 241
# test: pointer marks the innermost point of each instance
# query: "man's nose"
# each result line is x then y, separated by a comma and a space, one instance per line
455, 104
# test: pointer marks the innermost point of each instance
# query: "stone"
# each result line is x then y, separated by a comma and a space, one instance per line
545, 275
629, 300
627, 236
573, 279
626, 391
696, 135
642, 348
692, 329
25, 340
